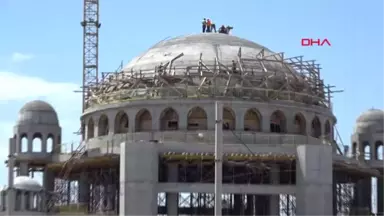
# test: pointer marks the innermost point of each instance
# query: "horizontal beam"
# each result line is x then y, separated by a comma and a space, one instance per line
227, 188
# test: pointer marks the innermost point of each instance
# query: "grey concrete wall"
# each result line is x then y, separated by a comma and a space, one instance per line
138, 179
314, 195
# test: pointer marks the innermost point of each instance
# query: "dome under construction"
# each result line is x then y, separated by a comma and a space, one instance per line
213, 66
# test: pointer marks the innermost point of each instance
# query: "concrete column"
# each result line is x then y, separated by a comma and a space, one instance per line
138, 178
172, 199
250, 204
31, 196
11, 200
266, 124
274, 201
48, 180
30, 143
23, 197
238, 204
183, 119
111, 197
314, 180
23, 169
380, 196
239, 124
84, 189
44, 143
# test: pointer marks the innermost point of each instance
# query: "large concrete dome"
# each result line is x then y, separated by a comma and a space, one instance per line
212, 65
26, 183
210, 46
37, 112
371, 121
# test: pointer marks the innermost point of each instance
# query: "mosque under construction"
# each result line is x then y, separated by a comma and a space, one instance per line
149, 129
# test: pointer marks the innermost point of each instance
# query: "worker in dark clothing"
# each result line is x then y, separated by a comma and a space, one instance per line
213, 27
234, 66
209, 25
223, 30
204, 25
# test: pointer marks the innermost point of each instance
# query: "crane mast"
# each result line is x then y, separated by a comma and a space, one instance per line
91, 27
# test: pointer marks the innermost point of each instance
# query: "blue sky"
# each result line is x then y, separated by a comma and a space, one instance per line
41, 46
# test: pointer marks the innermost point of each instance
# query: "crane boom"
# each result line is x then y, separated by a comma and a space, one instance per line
91, 27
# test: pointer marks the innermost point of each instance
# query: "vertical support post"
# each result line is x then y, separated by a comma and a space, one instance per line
218, 158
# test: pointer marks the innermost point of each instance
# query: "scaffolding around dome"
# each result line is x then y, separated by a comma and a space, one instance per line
263, 78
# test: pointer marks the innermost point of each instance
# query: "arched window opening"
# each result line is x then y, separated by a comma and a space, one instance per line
121, 123
327, 130
197, 119
379, 150
300, 124
50, 143
24, 143
103, 126
278, 122
169, 120
90, 129
252, 120
316, 127
143, 121
229, 119
37, 142
367, 151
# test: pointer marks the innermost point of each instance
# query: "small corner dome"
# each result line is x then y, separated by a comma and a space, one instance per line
371, 121
37, 112
26, 183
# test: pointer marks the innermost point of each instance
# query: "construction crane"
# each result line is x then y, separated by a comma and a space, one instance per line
91, 27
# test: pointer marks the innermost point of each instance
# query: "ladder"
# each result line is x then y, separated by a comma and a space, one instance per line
61, 189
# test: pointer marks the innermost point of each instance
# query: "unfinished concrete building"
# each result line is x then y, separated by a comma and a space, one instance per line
148, 135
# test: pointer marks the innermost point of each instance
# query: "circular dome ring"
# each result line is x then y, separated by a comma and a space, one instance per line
211, 65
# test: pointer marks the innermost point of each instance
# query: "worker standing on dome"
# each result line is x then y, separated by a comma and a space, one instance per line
213, 27
209, 23
204, 23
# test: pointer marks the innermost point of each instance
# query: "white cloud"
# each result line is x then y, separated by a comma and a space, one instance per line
16, 87
20, 57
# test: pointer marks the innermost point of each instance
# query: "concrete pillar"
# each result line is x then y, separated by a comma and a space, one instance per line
138, 178
48, 180
172, 199
250, 204
274, 201
380, 196
23, 169
314, 180
11, 201
266, 124
238, 204
84, 189
30, 143
44, 143
111, 197
23, 197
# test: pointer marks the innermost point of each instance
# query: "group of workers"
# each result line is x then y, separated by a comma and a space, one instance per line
209, 26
